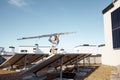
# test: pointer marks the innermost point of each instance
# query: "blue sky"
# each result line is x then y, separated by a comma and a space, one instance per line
24, 18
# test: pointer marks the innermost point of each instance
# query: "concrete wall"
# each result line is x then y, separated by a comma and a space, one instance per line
110, 56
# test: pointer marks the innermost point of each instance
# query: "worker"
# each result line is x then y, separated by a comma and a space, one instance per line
53, 49
55, 41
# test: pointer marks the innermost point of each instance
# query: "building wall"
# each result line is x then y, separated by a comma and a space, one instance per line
31, 49
92, 60
101, 50
91, 49
110, 56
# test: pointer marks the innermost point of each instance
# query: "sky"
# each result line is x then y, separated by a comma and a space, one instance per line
25, 18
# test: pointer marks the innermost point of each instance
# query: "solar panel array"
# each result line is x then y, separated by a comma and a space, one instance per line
39, 63
22, 60
54, 62
115, 16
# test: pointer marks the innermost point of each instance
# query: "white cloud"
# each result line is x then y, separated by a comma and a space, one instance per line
18, 3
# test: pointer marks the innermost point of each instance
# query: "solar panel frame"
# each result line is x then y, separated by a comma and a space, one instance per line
29, 60
75, 59
18, 60
53, 62
56, 63
78, 58
11, 61
43, 64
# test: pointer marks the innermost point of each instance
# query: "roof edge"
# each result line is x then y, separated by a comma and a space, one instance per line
110, 6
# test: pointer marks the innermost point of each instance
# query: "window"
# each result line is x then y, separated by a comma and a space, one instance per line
34, 48
23, 51
116, 28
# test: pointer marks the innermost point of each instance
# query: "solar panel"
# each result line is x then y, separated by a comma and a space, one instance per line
54, 62
43, 64
115, 16
22, 60
78, 58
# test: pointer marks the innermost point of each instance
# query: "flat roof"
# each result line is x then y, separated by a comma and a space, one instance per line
110, 6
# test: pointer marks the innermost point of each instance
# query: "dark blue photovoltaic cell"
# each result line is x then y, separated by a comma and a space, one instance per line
115, 16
